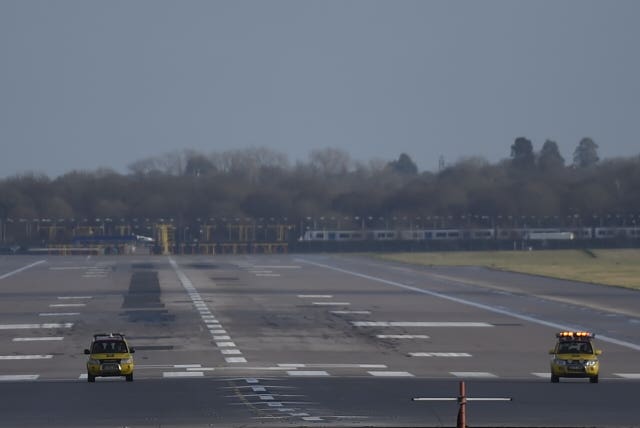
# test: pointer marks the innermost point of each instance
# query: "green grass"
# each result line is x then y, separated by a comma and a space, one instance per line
610, 267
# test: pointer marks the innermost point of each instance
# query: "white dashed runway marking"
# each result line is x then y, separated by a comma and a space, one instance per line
182, 374
67, 305
12, 378
218, 333
74, 297
474, 374
439, 354
628, 375
235, 360
390, 374
35, 326
402, 336
36, 339
59, 314
331, 303
308, 373
330, 365
545, 375
351, 312
419, 324
25, 357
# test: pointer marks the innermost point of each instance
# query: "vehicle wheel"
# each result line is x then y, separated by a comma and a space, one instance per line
593, 379
555, 379
90, 378
130, 377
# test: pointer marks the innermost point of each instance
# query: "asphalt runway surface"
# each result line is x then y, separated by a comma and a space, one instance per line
306, 340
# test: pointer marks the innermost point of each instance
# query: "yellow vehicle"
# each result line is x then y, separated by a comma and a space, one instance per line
109, 355
575, 356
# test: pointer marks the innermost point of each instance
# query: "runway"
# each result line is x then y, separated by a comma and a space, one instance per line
305, 340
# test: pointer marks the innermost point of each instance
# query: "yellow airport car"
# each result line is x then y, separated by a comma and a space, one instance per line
109, 355
575, 356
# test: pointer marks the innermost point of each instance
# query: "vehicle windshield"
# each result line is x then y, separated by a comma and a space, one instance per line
575, 348
108, 346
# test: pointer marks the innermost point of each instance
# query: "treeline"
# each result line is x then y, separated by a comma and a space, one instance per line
261, 183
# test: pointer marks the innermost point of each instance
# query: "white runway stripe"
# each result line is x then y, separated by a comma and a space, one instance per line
331, 303
628, 375
309, 373
419, 324
74, 297
402, 336
545, 375
36, 339
182, 374
351, 312
35, 326
332, 365
439, 354
67, 305
25, 357
22, 269
11, 378
58, 314
235, 360
390, 374
474, 374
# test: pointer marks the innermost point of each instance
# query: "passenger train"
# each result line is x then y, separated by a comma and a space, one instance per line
498, 234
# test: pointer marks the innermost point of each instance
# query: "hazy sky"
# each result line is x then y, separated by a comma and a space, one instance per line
86, 84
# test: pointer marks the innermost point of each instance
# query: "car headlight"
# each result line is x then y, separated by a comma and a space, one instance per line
127, 361
93, 362
590, 363
560, 362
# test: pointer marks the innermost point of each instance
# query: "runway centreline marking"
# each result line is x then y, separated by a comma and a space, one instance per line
390, 374
628, 375
25, 357
35, 326
73, 297
558, 326
402, 336
37, 339
331, 303
419, 324
67, 305
58, 314
22, 269
439, 354
332, 365
475, 375
351, 312
11, 378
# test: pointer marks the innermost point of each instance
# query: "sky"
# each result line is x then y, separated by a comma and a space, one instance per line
90, 84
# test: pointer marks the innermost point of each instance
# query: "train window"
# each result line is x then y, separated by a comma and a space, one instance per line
441, 235
453, 234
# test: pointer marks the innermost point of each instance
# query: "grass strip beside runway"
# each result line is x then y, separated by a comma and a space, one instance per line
609, 267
